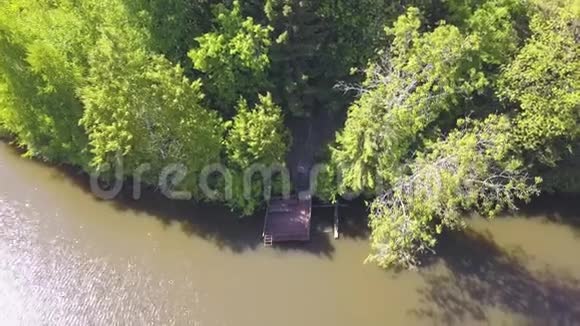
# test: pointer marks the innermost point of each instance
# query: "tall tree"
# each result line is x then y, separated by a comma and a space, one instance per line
317, 44
170, 24
141, 107
544, 81
473, 168
420, 77
256, 136
234, 57
43, 59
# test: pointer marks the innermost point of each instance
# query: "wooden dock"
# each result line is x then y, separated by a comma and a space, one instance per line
287, 220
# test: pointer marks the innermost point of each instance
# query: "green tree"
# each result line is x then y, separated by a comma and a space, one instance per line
319, 42
296, 64
170, 24
544, 81
417, 90
141, 107
4, 111
473, 168
421, 76
255, 136
565, 176
42, 63
234, 57
495, 24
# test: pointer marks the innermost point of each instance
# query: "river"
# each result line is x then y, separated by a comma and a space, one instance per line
67, 258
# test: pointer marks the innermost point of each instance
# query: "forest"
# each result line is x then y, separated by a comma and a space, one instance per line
445, 106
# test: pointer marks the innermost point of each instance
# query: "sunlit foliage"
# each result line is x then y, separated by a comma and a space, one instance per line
234, 57
448, 106
256, 138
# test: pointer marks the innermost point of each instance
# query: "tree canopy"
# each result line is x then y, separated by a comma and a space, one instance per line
439, 108
234, 57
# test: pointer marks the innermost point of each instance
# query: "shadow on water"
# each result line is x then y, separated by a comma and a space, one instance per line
482, 276
561, 209
353, 226
354, 221
216, 223
211, 222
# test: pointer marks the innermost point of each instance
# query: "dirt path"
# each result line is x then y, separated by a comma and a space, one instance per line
310, 135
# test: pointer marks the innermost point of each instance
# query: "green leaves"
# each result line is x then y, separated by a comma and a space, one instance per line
544, 80
40, 67
234, 58
257, 135
421, 76
170, 24
256, 138
425, 77
493, 26
470, 169
86, 82
144, 108
80, 84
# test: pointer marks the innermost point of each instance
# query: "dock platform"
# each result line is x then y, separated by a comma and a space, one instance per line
287, 220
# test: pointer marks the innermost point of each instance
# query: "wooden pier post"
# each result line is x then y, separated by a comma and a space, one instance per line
336, 220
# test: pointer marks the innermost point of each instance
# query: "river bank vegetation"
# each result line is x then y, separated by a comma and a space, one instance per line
448, 106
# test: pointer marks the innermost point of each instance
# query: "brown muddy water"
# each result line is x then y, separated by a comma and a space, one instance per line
67, 258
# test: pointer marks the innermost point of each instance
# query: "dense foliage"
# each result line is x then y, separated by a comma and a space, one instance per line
234, 57
405, 131
448, 106
257, 139
470, 169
